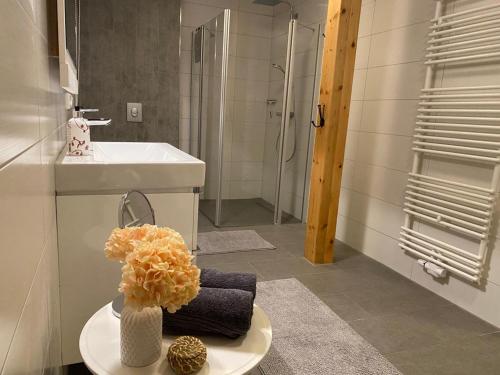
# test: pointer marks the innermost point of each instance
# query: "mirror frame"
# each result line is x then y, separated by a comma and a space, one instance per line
67, 69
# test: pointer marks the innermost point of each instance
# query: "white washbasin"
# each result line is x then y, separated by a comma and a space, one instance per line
123, 166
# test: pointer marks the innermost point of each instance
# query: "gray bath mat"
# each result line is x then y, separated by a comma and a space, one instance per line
231, 241
309, 338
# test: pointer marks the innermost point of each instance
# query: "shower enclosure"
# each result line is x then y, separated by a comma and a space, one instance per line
252, 100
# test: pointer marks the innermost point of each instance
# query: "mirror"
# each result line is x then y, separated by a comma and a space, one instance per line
71, 9
135, 210
67, 22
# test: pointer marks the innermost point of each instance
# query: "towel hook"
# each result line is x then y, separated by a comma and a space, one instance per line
321, 111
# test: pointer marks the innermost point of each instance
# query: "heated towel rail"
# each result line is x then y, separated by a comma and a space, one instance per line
458, 123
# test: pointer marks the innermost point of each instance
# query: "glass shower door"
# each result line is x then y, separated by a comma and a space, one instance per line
302, 98
208, 108
250, 121
297, 83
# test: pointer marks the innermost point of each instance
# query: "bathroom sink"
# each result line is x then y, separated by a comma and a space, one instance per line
122, 166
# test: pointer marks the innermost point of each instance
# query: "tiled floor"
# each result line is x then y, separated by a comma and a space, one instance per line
419, 332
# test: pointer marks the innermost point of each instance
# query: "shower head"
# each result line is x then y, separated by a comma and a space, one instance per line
279, 67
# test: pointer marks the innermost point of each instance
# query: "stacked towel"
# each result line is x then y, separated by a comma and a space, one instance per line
226, 312
224, 307
211, 278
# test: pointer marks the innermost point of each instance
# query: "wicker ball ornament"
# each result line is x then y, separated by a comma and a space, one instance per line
186, 355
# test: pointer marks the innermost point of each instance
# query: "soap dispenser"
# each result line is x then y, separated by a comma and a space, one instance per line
78, 131
78, 134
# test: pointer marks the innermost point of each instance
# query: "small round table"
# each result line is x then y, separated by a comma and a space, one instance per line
100, 348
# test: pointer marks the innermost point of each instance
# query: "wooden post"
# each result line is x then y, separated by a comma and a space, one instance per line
328, 157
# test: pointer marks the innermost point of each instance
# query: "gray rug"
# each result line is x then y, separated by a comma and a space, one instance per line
231, 241
309, 338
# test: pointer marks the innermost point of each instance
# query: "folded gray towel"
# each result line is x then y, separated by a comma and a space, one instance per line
214, 311
212, 278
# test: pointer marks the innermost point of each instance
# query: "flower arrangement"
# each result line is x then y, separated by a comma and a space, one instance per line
157, 269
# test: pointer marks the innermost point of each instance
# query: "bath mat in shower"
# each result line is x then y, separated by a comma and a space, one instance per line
231, 241
309, 338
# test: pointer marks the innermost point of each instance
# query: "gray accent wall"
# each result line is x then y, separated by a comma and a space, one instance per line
130, 53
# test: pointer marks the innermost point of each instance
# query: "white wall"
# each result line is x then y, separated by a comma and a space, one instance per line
388, 77
250, 46
31, 112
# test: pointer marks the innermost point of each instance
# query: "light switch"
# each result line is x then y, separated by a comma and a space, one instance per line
134, 112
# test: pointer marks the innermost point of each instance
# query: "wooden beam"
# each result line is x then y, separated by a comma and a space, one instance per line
328, 157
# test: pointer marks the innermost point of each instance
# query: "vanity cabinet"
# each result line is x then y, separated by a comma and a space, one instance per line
88, 280
88, 194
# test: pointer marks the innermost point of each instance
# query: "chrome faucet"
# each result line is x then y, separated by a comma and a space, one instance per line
79, 112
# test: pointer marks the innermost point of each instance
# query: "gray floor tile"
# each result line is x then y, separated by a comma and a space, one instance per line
383, 297
296, 250
457, 357
205, 225
384, 305
343, 251
334, 280
452, 322
396, 333
408, 368
490, 342
347, 258
205, 260
344, 307
283, 238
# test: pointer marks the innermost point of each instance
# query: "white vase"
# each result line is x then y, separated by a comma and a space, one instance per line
140, 336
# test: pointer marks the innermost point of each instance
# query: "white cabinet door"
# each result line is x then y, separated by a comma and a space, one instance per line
88, 280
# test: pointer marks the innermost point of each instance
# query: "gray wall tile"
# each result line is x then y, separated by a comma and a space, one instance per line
130, 53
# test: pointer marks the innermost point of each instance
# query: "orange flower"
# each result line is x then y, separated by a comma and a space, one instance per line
157, 268
123, 240
159, 273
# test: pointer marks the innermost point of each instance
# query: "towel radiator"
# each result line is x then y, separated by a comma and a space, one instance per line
457, 123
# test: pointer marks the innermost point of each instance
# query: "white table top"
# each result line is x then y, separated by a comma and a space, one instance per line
100, 348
